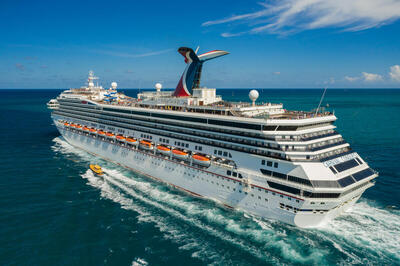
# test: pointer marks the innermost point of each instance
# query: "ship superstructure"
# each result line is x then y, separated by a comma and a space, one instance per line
291, 166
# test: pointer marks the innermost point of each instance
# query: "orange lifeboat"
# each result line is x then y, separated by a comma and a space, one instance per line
146, 144
121, 138
131, 140
202, 160
100, 132
66, 124
72, 125
92, 130
78, 126
110, 135
85, 128
164, 150
180, 154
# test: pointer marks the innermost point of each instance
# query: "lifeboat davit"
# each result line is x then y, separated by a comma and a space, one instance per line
180, 154
146, 144
121, 138
101, 132
164, 150
202, 160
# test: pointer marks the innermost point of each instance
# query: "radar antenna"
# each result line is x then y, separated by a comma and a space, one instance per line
322, 98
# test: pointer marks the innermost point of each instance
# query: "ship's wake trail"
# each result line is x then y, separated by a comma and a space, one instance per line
200, 226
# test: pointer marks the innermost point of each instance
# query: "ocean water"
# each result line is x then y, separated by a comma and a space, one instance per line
53, 211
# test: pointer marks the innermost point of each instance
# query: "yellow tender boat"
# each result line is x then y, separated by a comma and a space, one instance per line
96, 169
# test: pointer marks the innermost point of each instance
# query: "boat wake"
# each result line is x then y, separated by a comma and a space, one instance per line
214, 234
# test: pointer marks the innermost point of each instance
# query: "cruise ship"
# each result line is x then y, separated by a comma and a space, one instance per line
291, 166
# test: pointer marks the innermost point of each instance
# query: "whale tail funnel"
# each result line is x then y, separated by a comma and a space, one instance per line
191, 76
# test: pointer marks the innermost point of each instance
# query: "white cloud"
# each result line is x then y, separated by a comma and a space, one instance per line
127, 55
277, 73
288, 16
227, 34
395, 73
351, 79
370, 77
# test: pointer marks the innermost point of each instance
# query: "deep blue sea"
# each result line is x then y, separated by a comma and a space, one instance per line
53, 211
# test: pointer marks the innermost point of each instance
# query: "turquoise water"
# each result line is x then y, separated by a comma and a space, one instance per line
54, 211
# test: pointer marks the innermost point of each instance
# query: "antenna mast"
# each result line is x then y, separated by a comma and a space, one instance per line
322, 98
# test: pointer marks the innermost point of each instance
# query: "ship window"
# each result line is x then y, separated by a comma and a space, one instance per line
230, 155
219, 152
299, 180
228, 172
279, 175
263, 162
240, 175
225, 153
276, 165
333, 169
363, 174
215, 151
269, 163
346, 165
292, 190
234, 174
358, 160
187, 145
266, 172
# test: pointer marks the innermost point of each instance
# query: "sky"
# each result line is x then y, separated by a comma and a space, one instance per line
272, 44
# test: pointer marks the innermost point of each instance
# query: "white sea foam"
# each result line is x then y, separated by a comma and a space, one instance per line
366, 227
139, 262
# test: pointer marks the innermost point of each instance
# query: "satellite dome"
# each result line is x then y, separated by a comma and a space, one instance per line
253, 95
91, 84
114, 85
158, 86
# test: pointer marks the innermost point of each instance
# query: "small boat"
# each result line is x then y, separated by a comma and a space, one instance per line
96, 169
78, 126
120, 138
180, 154
200, 159
131, 140
164, 150
146, 144
66, 124
92, 130
85, 128
110, 135
101, 132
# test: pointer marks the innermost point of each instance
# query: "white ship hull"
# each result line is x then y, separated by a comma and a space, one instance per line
203, 182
